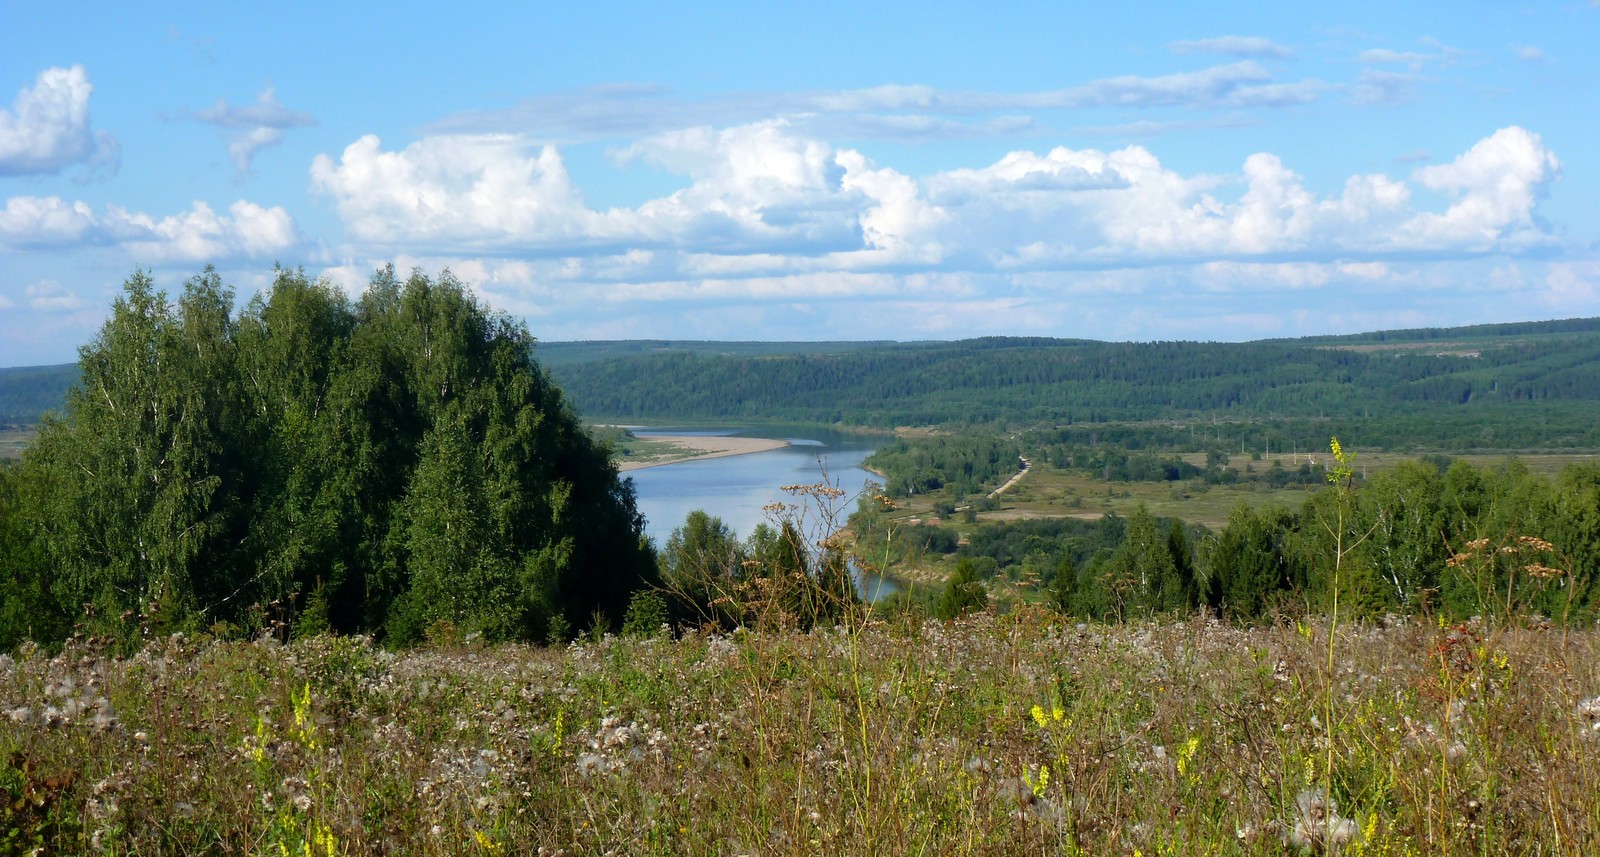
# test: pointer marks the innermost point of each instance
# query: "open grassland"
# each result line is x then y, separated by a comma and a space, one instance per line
14, 440
1369, 463
994, 735
1048, 493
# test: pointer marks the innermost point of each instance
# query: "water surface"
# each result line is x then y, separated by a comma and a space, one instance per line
738, 488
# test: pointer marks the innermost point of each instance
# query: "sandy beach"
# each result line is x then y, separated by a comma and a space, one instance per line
699, 447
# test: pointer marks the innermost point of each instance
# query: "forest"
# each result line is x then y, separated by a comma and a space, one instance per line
1523, 386
388, 466
1445, 388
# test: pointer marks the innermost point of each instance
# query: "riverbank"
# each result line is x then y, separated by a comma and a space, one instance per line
671, 449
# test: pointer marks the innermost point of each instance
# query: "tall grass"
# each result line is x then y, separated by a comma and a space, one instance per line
994, 735
820, 727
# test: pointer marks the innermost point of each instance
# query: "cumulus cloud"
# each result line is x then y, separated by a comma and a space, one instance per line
766, 200
201, 234
755, 189
485, 190
254, 127
48, 128
1494, 187
1239, 46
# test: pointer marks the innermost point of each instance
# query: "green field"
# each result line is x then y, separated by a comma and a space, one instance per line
1050, 493
14, 440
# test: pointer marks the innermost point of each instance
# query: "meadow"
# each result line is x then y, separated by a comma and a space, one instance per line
1023, 733
1047, 492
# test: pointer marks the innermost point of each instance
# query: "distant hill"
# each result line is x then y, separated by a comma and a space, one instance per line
1539, 376
26, 392
1443, 373
553, 354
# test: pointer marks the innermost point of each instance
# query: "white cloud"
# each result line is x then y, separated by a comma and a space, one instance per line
754, 189
29, 222
200, 234
1379, 88
254, 127
49, 296
1214, 85
766, 201
1573, 289
892, 111
470, 190
1494, 186
1384, 56
1241, 46
1366, 270
47, 127
1528, 53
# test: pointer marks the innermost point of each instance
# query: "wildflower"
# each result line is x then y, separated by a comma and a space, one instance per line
1588, 713
487, 842
1319, 824
1186, 754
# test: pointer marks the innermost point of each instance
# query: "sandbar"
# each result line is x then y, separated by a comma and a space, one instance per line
701, 447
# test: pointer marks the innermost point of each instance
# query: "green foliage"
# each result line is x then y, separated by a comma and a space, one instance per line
29, 609
1465, 541
964, 593
37, 815
966, 463
380, 467
647, 612
1466, 394
702, 563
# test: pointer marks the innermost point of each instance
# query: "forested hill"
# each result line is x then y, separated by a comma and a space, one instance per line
1029, 380
589, 351
1445, 373
26, 392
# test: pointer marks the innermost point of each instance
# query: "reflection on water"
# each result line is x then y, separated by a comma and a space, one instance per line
738, 488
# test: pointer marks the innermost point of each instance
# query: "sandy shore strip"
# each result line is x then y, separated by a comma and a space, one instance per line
701, 447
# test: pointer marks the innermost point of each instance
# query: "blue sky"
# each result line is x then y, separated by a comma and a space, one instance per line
816, 170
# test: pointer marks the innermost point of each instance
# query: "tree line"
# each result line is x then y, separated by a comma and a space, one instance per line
1432, 535
1502, 379
385, 466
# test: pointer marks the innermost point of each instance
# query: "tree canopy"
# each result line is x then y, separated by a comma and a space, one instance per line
376, 466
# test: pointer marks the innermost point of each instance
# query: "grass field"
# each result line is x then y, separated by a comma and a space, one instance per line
1048, 492
13, 441
995, 735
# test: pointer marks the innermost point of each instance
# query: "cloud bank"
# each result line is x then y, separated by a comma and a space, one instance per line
766, 197
200, 234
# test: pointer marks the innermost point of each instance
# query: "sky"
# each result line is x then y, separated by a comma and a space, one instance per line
814, 171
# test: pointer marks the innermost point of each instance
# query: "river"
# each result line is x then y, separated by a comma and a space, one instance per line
738, 488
